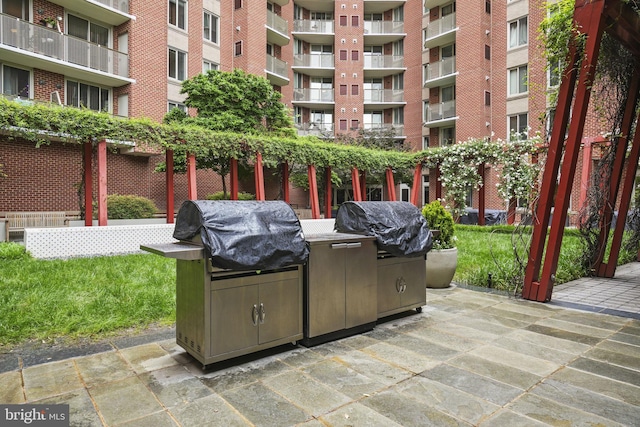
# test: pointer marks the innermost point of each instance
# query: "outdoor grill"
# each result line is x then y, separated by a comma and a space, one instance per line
239, 277
403, 239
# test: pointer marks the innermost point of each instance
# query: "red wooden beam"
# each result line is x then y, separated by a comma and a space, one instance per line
285, 181
363, 185
355, 185
417, 185
328, 192
259, 177
102, 182
391, 186
233, 179
313, 192
511, 211
481, 195
88, 183
587, 153
169, 185
191, 177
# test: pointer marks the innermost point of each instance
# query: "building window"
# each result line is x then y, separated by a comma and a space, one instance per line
518, 126
447, 136
177, 13
177, 105
208, 65
355, 90
487, 51
210, 27
355, 55
15, 82
343, 20
177, 64
87, 96
343, 90
238, 48
553, 75
343, 54
237, 4
487, 97
355, 124
343, 124
518, 80
355, 20
487, 6
518, 33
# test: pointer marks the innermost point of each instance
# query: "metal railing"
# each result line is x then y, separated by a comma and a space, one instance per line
383, 95
323, 130
319, 26
40, 40
441, 68
442, 25
277, 23
383, 27
121, 5
398, 129
324, 60
313, 95
441, 111
383, 61
276, 66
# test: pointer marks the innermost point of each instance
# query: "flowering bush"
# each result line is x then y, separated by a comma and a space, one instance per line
438, 218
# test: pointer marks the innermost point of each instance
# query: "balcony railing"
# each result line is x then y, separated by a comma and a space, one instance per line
277, 66
323, 130
40, 40
442, 25
383, 27
441, 111
324, 60
441, 68
372, 128
319, 26
277, 23
313, 95
121, 5
383, 61
383, 95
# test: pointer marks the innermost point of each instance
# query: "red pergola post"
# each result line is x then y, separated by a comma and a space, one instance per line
511, 211
481, 195
417, 185
233, 178
88, 183
313, 192
590, 17
355, 185
328, 192
169, 185
363, 185
438, 184
191, 177
587, 152
285, 181
391, 186
102, 182
259, 177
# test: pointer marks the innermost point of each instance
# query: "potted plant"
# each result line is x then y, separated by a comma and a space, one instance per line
49, 22
442, 259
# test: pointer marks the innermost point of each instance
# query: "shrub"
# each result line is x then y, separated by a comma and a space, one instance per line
438, 218
219, 195
129, 207
11, 250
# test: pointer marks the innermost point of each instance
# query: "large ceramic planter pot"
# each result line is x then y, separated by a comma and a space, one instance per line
441, 266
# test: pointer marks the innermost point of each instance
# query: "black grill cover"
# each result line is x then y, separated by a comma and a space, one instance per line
399, 227
244, 235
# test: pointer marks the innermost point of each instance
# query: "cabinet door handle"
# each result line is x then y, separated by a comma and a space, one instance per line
338, 245
254, 315
263, 313
401, 285
354, 245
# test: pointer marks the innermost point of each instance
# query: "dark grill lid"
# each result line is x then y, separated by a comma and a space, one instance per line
244, 235
399, 227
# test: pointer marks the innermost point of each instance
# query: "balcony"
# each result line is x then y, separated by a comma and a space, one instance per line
384, 98
430, 4
371, 129
318, 64
277, 71
112, 12
317, 31
441, 31
36, 46
381, 32
441, 73
442, 114
313, 98
277, 29
378, 6
383, 65
321, 130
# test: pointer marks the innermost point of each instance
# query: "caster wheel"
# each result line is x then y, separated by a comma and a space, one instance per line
419, 310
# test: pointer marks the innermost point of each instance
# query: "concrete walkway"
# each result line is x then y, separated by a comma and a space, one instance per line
470, 358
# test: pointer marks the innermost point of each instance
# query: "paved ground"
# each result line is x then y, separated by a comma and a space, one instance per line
470, 358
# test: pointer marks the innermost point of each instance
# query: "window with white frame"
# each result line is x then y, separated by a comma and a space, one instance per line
210, 27
209, 65
372, 120
518, 125
518, 32
88, 96
15, 82
178, 13
518, 80
447, 136
553, 74
177, 64
180, 106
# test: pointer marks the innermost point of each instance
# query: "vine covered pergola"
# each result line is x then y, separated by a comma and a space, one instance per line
592, 19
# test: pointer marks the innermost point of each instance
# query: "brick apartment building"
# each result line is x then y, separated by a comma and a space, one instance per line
434, 73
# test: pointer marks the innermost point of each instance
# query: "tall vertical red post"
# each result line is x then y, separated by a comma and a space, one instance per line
587, 151
233, 178
438, 184
417, 185
328, 192
259, 177
191, 177
285, 181
313, 192
88, 183
363, 185
102, 182
169, 185
355, 185
481, 195
391, 185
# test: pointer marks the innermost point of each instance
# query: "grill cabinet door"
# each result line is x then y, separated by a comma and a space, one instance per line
232, 319
279, 311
